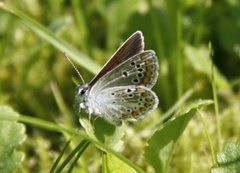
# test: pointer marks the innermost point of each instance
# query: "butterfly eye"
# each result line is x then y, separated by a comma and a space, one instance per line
81, 90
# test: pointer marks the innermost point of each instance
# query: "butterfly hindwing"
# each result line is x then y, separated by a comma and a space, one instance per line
125, 103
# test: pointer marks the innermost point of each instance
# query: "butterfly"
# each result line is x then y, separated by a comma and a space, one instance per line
121, 91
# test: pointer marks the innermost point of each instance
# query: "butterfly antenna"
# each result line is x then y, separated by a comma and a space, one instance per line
79, 74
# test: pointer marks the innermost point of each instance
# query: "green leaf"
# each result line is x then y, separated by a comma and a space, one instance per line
55, 127
12, 134
229, 159
104, 132
113, 164
111, 136
160, 146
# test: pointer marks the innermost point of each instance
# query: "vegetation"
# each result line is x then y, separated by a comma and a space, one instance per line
196, 126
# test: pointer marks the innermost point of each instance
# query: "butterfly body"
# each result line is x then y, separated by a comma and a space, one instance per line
122, 89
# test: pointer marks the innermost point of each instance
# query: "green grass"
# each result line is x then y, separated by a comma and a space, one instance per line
186, 133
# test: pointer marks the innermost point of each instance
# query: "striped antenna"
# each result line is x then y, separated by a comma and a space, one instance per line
79, 74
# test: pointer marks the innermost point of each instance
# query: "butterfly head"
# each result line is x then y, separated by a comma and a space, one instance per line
80, 97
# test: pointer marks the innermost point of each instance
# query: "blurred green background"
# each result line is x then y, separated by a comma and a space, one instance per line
31, 66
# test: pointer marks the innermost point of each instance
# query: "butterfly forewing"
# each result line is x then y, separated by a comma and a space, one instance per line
132, 46
141, 69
